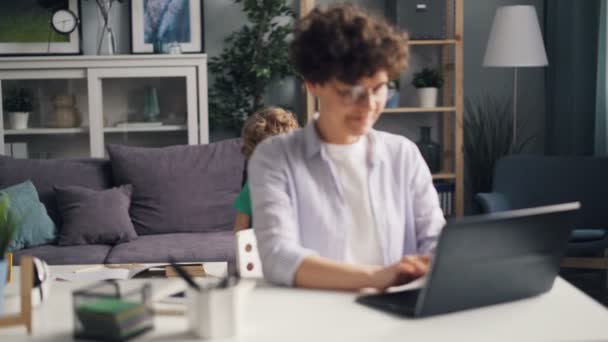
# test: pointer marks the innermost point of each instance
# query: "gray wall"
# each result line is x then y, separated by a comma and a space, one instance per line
498, 82
223, 17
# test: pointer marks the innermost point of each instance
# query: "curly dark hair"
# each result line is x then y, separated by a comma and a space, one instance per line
264, 123
346, 43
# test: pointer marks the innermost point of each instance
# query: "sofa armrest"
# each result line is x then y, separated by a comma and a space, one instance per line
492, 201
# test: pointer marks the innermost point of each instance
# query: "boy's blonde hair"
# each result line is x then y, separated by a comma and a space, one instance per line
264, 123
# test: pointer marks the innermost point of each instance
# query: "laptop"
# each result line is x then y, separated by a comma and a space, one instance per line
488, 259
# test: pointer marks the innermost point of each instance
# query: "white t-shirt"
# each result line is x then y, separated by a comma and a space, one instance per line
362, 244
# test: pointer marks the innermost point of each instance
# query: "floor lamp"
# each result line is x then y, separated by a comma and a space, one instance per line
515, 41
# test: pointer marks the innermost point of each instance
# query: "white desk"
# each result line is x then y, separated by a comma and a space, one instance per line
281, 314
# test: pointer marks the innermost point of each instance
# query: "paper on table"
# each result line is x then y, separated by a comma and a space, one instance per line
98, 273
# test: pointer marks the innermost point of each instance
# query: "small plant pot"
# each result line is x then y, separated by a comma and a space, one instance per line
18, 120
393, 98
427, 97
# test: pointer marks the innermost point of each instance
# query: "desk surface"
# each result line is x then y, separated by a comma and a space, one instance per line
282, 314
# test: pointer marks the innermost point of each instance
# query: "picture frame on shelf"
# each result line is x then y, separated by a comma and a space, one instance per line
157, 25
26, 28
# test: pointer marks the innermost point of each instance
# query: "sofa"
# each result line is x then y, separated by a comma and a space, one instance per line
522, 181
185, 196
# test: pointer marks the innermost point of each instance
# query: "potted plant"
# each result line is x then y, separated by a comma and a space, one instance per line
18, 104
393, 94
427, 82
488, 136
8, 228
252, 59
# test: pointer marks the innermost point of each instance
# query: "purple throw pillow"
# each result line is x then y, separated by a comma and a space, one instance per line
94, 216
180, 189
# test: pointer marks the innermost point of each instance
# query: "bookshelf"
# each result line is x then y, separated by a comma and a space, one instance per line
451, 115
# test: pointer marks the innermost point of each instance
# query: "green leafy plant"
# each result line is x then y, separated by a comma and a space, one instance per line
253, 58
19, 100
8, 225
427, 78
488, 136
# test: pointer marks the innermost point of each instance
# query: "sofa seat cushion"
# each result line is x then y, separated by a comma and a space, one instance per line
184, 247
66, 255
180, 189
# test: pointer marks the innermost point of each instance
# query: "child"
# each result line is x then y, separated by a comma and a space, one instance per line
262, 124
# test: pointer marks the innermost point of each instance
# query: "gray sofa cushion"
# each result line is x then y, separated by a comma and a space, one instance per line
45, 174
66, 255
180, 188
216, 246
95, 216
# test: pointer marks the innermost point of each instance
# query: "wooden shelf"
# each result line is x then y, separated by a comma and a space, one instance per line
433, 42
164, 128
419, 109
39, 131
444, 175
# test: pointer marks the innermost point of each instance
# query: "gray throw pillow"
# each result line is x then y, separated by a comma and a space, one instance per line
186, 189
93, 216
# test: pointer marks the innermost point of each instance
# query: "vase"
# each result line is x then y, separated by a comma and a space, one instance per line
106, 34
3, 276
427, 97
393, 98
151, 107
430, 150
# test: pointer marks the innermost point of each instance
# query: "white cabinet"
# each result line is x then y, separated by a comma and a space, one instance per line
82, 103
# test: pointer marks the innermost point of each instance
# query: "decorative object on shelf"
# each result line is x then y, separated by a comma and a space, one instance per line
430, 150
18, 103
445, 190
65, 113
174, 48
422, 19
253, 58
32, 27
393, 94
515, 41
488, 136
427, 82
155, 23
105, 33
151, 106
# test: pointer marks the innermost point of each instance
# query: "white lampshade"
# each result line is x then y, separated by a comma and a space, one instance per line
515, 39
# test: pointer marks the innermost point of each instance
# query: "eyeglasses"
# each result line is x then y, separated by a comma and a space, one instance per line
359, 94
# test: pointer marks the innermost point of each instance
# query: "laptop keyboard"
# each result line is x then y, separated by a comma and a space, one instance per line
401, 303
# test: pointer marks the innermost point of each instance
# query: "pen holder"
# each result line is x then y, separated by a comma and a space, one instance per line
212, 313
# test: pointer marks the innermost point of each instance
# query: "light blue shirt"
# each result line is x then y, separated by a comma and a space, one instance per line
298, 202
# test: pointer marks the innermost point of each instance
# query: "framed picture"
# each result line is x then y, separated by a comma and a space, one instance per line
25, 28
156, 24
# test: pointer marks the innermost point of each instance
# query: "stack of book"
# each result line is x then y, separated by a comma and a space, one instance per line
445, 190
112, 319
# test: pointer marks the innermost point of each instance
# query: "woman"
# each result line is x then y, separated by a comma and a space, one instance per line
338, 205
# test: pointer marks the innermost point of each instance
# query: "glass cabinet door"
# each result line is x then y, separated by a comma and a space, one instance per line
148, 107
44, 114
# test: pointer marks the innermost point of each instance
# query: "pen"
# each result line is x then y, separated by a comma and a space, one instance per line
184, 275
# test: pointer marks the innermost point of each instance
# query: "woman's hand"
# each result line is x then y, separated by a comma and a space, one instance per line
409, 268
